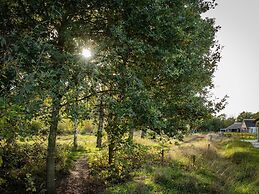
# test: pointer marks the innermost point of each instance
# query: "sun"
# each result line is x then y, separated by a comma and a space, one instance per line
86, 53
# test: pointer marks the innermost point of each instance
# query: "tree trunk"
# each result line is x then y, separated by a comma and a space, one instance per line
163, 155
75, 134
100, 125
143, 133
131, 134
111, 152
51, 187
111, 140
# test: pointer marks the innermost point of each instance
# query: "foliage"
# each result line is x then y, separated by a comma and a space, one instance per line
215, 123
158, 76
129, 157
154, 62
244, 158
65, 126
228, 121
87, 127
228, 166
23, 166
244, 115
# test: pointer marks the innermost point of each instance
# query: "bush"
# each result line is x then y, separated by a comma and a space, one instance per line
87, 127
128, 157
65, 127
23, 167
35, 127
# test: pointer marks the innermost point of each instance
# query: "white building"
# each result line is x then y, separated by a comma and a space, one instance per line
249, 125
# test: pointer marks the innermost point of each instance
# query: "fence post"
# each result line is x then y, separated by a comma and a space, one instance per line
193, 160
163, 155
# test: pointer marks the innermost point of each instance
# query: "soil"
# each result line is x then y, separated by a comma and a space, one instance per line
80, 181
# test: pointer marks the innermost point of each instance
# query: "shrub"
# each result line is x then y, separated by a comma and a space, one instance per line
65, 127
23, 167
35, 127
87, 127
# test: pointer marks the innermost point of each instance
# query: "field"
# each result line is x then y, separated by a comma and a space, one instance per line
199, 164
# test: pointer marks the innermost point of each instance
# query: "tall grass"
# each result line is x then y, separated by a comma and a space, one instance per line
227, 166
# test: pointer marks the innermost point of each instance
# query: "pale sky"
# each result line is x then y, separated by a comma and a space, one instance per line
238, 72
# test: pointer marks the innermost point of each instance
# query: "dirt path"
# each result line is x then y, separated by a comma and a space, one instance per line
79, 181
194, 138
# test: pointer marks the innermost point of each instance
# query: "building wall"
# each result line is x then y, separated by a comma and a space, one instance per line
252, 129
243, 127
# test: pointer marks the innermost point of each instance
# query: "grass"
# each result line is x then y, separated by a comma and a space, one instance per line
227, 166
196, 165
238, 135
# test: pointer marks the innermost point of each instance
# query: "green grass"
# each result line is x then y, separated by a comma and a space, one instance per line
248, 136
244, 174
229, 166
169, 179
226, 166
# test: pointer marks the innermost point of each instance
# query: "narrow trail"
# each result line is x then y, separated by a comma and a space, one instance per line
79, 181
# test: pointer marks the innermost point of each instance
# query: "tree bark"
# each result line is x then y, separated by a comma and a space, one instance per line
131, 134
75, 134
51, 187
143, 134
163, 155
111, 152
100, 125
111, 140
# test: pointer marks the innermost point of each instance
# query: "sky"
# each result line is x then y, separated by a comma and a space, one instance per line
238, 71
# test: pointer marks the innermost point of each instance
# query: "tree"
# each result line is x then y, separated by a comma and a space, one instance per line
155, 60
41, 42
244, 115
213, 124
229, 121
256, 115
100, 124
158, 59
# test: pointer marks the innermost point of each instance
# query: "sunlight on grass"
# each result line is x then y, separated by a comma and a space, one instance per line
223, 166
228, 165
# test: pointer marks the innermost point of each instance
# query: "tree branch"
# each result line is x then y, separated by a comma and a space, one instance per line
87, 97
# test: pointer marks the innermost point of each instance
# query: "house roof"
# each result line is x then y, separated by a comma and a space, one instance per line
236, 125
250, 122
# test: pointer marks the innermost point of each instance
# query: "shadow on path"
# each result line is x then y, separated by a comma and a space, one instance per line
80, 181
